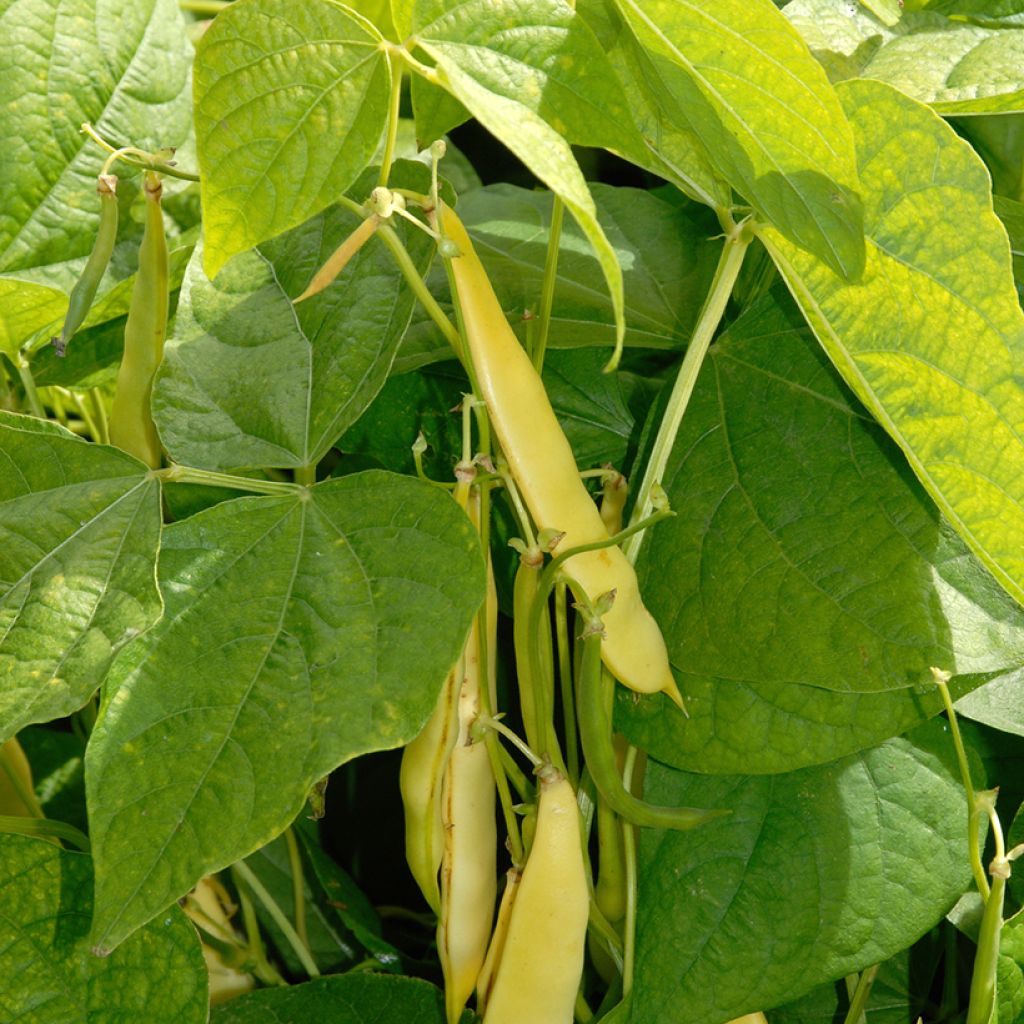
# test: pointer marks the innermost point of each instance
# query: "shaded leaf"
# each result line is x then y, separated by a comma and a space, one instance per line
666, 252
806, 584
58, 769
79, 532
898, 993
932, 338
50, 974
855, 860
299, 632
272, 86
354, 998
747, 86
999, 703
331, 948
249, 379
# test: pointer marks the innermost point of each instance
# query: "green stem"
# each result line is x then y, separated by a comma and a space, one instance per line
565, 682
519, 744
28, 382
298, 886
729, 265
136, 157
859, 998
515, 775
419, 287
547, 295
305, 476
974, 806
99, 413
262, 967
43, 828
207, 8
397, 73
630, 871
85, 411
175, 474
279, 917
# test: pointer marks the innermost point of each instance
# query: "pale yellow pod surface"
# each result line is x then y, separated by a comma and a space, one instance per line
542, 963
420, 781
545, 471
485, 981
469, 871
469, 866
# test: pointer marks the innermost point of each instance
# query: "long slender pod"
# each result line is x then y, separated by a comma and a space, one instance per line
84, 291
595, 695
541, 964
131, 421
543, 466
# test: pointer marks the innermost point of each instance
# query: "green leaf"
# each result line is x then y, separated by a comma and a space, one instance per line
338, 895
289, 108
50, 974
331, 948
1012, 216
955, 66
898, 994
249, 379
126, 71
352, 998
806, 584
888, 12
299, 632
668, 146
815, 874
537, 88
999, 703
747, 86
25, 307
79, 532
932, 338
592, 408
1009, 1007
436, 111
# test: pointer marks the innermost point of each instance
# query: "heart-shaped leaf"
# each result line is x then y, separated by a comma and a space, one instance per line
79, 532
299, 632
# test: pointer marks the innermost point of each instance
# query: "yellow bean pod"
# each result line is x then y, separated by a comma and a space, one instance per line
542, 962
469, 865
545, 471
420, 780
485, 981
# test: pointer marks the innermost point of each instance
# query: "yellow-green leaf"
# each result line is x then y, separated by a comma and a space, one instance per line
932, 337
290, 104
744, 79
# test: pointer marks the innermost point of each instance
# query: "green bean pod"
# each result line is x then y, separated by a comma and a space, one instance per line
595, 696
983, 977
80, 301
131, 421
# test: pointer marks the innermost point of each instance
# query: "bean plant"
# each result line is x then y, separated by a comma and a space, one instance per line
511, 511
